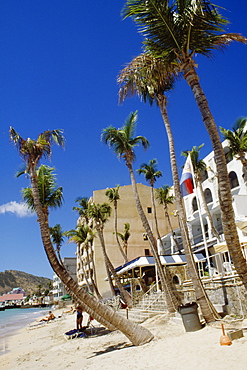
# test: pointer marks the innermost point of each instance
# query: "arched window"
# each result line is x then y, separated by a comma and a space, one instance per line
204, 174
208, 195
233, 180
194, 204
228, 155
175, 280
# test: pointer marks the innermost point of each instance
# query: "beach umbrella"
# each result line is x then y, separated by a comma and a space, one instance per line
66, 297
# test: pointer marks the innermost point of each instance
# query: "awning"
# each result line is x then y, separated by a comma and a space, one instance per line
242, 225
173, 259
220, 248
66, 297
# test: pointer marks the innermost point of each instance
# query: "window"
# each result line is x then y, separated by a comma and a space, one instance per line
208, 195
147, 252
228, 154
233, 180
175, 279
204, 174
194, 204
149, 210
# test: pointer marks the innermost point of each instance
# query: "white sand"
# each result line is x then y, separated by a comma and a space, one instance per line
171, 349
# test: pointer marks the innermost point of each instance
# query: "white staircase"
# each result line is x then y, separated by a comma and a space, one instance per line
152, 303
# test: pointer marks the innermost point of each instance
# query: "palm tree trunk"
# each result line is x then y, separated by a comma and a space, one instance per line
208, 311
171, 229
225, 197
93, 264
171, 300
155, 215
137, 334
95, 288
205, 206
83, 269
124, 294
116, 234
59, 255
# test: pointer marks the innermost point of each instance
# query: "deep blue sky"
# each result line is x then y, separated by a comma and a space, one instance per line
58, 67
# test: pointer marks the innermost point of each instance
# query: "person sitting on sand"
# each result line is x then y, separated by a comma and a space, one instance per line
48, 317
72, 310
79, 317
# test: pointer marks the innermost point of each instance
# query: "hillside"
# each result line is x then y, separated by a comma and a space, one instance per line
10, 279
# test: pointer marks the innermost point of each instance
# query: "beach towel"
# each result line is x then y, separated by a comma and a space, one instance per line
71, 334
75, 333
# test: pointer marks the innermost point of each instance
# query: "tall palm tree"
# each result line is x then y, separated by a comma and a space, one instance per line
32, 151
113, 196
125, 237
151, 173
163, 196
198, 166
177, 31
237, 140
100, 213
57, 237
150, 79
123, 142
82, 236
82, 209
50, 195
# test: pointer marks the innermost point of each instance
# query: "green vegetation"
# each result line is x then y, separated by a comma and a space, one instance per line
10, 279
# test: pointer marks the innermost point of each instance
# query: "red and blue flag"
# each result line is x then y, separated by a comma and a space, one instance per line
186, 183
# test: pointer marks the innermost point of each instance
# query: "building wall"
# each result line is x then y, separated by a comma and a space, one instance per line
239, 194
58, 287
127, 212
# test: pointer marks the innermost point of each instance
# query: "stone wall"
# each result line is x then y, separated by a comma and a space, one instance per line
227, 294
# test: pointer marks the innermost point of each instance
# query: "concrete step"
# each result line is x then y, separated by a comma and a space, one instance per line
137, 315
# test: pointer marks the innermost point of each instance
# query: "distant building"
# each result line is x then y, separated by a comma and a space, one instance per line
59, 289
10, 299
138, 244
17, 291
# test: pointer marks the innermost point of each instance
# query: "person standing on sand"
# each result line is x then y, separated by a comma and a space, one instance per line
79, 317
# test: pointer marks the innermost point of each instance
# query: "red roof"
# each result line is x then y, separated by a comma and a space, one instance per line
11, 297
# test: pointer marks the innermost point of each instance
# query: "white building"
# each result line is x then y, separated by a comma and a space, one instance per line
210, 188
58, 287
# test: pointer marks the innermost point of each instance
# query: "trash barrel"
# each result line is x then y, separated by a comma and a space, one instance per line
190, 316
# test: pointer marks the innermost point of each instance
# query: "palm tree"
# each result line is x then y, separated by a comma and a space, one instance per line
125, 237
51, 196
149, 78
39, 287
151, 174
82, 210
198, 166
83, 204
237, 140
123, 142
113, 196
82, 236
57, 237
163, 196
32, 151
100, 213
176, 31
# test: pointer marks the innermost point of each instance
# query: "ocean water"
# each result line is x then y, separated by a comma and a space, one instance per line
12, 320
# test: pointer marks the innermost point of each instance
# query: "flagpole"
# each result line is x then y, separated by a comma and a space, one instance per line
200, 216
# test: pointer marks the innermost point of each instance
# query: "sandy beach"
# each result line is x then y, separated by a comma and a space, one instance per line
44, 346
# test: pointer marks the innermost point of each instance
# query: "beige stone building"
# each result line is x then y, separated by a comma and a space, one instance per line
138, 244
